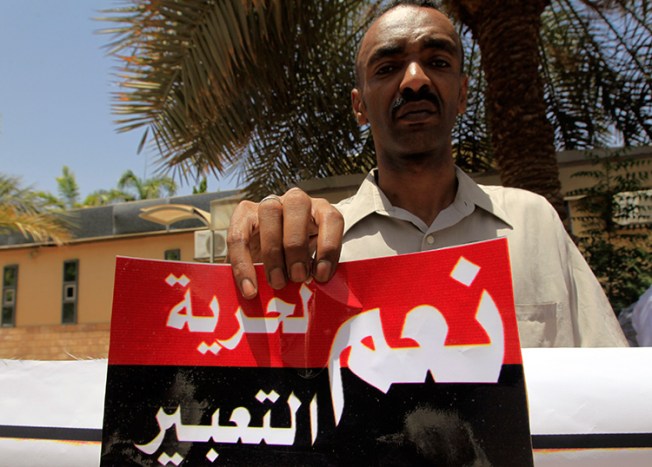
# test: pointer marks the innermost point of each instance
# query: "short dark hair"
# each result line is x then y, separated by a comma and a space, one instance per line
435, 5
419, 3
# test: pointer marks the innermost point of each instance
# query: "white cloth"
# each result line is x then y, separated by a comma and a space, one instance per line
559, 302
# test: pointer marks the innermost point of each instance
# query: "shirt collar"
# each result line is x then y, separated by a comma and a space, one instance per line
369, 199
479, 196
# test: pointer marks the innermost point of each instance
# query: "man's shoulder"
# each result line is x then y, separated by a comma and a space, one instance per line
362, 203
516, 199
508, 204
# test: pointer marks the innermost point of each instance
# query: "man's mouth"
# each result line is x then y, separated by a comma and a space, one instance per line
416, 106
416, 110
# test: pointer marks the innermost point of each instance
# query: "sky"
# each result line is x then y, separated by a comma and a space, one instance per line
56, 82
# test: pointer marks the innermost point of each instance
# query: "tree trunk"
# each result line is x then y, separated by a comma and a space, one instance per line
507, 32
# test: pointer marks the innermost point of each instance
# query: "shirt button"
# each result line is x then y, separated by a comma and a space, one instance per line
430, 240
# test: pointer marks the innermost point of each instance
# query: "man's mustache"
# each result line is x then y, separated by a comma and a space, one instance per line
410, 96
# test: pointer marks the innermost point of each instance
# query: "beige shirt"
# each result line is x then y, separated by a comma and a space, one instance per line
559, 302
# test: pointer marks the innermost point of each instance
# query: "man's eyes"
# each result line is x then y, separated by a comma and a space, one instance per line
392, 67
440, 63
385, 69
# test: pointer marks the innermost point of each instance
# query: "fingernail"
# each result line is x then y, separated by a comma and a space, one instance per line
323, 270
248, 289
298, 272
276, 278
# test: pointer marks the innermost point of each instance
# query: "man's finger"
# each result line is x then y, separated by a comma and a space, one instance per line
270, 218
297, 220
330, 226
242, 238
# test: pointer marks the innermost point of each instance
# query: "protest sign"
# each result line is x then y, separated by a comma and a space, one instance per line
408, 360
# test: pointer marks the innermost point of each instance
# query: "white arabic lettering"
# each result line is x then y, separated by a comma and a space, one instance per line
227, 434
381, 366
182, 315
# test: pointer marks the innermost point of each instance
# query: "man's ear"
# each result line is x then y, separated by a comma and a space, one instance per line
464, 88
359, 109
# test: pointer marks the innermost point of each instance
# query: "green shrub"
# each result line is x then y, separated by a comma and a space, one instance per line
616, 220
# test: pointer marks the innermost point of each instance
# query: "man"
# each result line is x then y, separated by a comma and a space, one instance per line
410, 87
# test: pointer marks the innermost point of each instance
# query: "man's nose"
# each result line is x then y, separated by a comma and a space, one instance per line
414, 78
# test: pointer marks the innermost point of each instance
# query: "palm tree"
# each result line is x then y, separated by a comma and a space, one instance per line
103, 197
68, 192
25, 211
68, 189
583, 90
69, 198
134, 187
264, 85
507, 34
234, 83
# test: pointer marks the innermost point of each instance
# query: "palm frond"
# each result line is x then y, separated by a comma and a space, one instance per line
25, 211
596, 61
209, 78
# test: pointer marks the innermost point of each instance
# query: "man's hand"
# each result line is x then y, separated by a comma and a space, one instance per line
283, 232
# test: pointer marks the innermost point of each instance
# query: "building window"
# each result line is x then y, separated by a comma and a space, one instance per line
9, 289
70, 292
173, 255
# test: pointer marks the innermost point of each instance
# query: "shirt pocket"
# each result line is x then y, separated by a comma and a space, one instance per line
537, 324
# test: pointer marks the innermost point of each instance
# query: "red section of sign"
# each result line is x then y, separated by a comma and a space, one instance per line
173, 313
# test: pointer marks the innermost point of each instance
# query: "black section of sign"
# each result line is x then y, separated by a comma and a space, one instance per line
593, 441
50, 432
413, 424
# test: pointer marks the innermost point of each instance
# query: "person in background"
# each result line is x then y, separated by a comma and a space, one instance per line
642, 319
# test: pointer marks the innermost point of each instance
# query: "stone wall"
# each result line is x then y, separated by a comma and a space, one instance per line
60, 342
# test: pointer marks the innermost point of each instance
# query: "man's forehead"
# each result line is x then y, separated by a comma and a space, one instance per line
404, 24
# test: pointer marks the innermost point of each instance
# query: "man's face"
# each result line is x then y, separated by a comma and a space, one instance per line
411, 87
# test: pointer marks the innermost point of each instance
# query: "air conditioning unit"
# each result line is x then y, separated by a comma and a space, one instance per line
633, 207
203, 244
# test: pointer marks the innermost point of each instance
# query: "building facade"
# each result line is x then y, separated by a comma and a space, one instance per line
56, 300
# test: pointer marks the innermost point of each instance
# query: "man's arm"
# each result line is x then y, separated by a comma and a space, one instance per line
595, 323
293, 235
